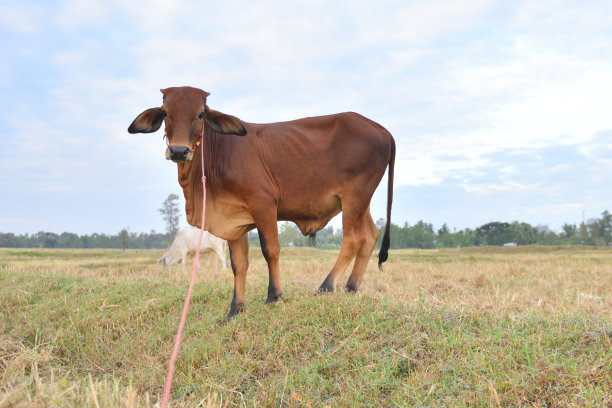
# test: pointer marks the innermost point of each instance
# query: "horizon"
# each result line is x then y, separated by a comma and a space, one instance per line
435, 227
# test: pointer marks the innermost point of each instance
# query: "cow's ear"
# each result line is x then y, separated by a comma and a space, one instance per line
148, 121
223, 123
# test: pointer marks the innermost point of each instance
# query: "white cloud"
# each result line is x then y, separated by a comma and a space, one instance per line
16, 18
488, 189
413, 22
73, 14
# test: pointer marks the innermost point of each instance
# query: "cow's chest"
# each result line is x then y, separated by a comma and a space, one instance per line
226, 218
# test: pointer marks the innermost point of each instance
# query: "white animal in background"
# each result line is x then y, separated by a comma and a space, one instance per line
186, 242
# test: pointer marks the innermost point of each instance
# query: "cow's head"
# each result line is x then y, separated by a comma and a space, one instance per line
184, 110
163, 260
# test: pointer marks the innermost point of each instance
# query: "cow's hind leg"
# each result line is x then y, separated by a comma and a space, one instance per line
364, 253
352, 240
239, 256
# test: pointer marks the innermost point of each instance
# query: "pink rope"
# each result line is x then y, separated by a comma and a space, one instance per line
179, 333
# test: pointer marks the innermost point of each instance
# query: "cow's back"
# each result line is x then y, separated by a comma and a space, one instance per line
311, 163
303, 167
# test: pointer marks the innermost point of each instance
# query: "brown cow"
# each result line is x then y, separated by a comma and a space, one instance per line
305, 171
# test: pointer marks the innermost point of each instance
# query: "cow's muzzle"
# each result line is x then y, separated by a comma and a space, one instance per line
179, 154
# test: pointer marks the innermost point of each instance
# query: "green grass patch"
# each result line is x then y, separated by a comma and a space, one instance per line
74, 339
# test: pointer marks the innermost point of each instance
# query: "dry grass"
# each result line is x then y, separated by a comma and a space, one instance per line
502, 281
468, 327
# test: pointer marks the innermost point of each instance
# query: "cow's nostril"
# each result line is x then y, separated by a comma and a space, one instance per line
178, 153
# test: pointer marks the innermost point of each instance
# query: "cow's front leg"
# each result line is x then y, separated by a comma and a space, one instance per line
239, 257
268, 239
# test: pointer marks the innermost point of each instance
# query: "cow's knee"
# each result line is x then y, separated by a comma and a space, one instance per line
270, 248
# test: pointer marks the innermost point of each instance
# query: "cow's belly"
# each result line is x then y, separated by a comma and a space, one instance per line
229, 220
310, 215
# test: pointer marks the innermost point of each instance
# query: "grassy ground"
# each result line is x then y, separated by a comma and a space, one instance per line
468, 327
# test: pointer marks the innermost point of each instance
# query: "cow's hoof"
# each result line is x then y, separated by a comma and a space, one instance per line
324, 288
273, 299
234, 311
351, 287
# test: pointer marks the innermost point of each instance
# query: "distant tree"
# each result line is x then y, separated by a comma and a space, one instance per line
593, 227
328, 238
466, 238
9, 240
171, 215
522, 233
443, 230
46, 239
423, 234
312, 240
569, 233
288, 234
151, 240
583, 233
124, 237
546, 236
605, 228
253, 238
68, 240
494, 233
445, 239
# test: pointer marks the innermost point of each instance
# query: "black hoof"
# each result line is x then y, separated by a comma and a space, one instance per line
351, 287
324, 289
234, 311
273, 299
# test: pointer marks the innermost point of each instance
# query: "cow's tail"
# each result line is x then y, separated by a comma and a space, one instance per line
386, 241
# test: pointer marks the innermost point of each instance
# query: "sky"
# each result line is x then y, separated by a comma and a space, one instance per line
501, 111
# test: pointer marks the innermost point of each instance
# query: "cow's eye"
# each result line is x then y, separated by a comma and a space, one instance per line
163, 112
201, 116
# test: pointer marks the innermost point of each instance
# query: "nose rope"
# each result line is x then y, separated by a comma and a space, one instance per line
179, 333
198, 143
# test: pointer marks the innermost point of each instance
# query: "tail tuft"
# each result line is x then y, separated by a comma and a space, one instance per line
384, 251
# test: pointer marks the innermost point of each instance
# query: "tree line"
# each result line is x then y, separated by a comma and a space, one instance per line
596, 231
124, 239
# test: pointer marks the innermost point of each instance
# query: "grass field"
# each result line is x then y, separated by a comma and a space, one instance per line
476, 327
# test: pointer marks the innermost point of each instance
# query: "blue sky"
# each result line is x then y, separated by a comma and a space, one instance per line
500, 110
